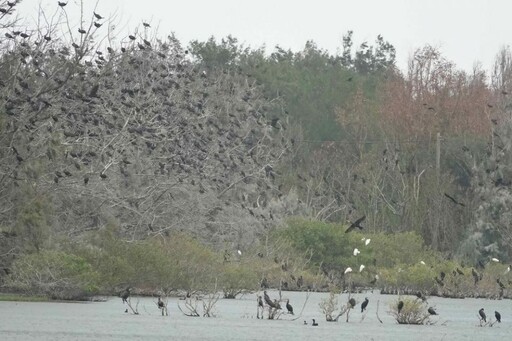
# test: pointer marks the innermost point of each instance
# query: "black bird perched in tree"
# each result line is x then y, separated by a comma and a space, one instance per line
62, 4
352, 302
431, 311
498, 316
97, 16
400, 306
482, 315
289, 307
502, 286
459, 271
364, 304
267, 299
420, 296
160, 303
260, 302
442, 275
314, 323
125, 295
355, 224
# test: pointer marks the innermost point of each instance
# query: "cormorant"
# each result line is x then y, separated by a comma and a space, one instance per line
97, 16
289, 307
364, 304
160, 303
482, 314
400, 306
305, 322
420, 296
314, 323
267, 299
355, 224
498, 316
125, 295
502, 286
431, 311
459, 271
260, 302
352, 302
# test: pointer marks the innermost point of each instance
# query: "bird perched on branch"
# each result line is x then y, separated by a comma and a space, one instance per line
352, 302
482, 315
498, 316
289, 307
400, 306
125, 294
364, 304
355, 224
431, 311
160, 303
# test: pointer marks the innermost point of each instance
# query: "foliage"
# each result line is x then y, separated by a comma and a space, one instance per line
54, 274
413, 311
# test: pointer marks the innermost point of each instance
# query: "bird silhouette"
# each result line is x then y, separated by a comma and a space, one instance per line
314, 323
82, 31
431, 311
260, 302
454, 200
267, 299
355, 224
482, 314
400, 306
498, 316
352, 302
364, 304
61, 3
289, 307
160, 303
97, 24
125, 294
97, 16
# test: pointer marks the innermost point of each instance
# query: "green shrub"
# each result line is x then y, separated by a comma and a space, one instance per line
54, 274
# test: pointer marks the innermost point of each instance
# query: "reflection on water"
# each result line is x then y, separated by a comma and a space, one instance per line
236, 320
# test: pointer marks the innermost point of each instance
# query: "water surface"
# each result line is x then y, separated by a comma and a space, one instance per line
236, 320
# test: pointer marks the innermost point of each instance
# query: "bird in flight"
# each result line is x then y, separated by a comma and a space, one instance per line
454, 200
355, 224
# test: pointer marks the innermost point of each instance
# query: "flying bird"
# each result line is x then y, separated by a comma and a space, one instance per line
355, 224
454, 200
482, 315
364, 304
498, 316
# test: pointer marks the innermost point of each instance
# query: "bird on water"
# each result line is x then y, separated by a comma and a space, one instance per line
315, 323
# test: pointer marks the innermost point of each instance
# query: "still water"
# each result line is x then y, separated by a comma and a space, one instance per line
236, 320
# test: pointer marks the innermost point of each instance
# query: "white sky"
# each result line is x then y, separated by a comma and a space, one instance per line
465, 30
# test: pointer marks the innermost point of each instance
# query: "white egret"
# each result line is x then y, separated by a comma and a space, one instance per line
347, 270
367, 241
422, 262
361, 267
495, 260
356, 251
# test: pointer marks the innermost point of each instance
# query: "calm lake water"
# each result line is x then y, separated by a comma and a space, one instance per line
236, 320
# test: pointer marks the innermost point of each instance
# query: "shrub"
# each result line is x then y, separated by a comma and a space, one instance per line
55, 274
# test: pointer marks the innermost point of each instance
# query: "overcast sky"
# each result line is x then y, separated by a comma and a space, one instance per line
466, 31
